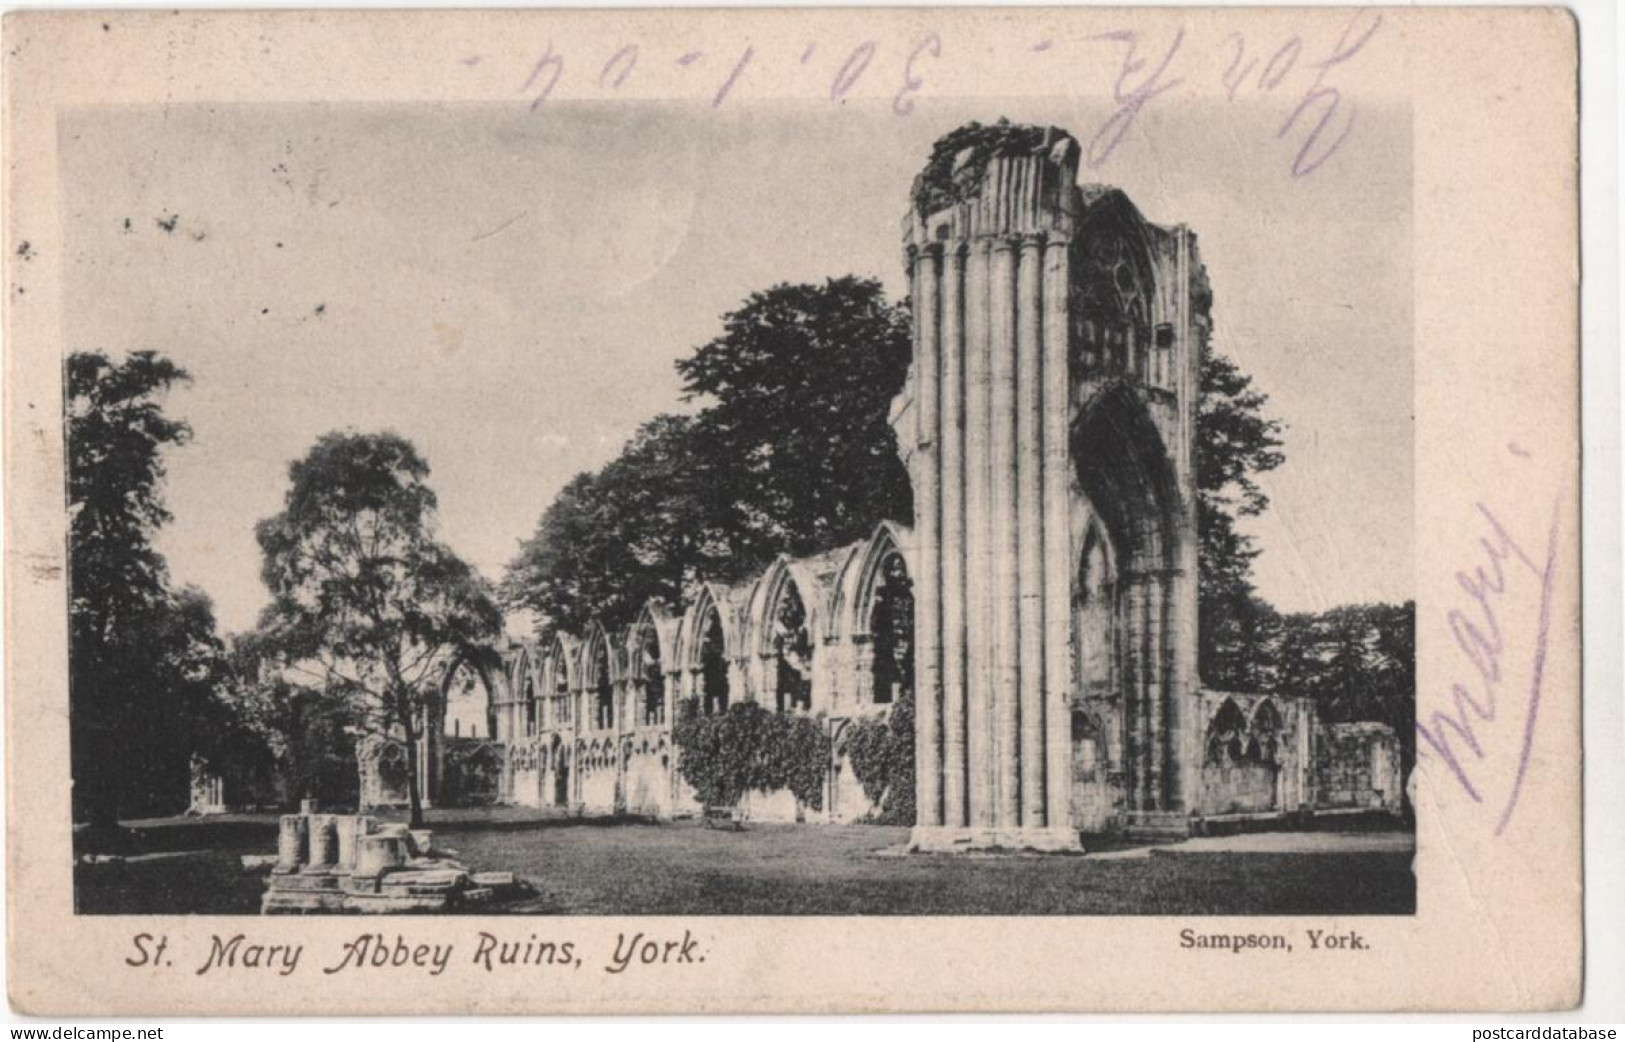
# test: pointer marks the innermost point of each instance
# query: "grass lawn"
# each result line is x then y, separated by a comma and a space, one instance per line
597, 867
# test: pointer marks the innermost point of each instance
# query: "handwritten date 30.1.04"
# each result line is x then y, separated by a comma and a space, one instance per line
1318, 117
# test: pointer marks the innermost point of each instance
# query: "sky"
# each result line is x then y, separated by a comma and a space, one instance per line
509, 289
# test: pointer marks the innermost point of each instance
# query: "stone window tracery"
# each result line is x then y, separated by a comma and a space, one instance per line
1117, 334
1227, 735
891, 626
1233, 741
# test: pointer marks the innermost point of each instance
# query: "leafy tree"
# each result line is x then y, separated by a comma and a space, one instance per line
1357, 662
291, 733
1235, 442
792, 452
795, 437
182, 670
613, 539
141, 656
365, 601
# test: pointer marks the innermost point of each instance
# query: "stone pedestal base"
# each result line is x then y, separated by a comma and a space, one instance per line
1157, 824
939, 839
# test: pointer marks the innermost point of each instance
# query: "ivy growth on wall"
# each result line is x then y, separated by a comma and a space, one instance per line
748, 747
881, 752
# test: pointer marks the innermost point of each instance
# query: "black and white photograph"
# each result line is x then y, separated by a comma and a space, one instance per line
810, 511
589, 509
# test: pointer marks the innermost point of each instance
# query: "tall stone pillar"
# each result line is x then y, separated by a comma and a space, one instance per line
1190, 318
1135, 741
927, 497
1058, 347
1156, 691
952, 540
1002, 489
1030, 536
992, 552
1058, 567
979, 768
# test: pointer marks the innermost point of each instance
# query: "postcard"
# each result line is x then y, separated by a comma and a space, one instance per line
683, 511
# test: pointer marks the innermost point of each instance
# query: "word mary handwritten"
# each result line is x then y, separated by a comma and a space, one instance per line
1318, 123
1485, 640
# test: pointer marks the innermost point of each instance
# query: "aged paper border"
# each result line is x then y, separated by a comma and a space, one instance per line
1498, 922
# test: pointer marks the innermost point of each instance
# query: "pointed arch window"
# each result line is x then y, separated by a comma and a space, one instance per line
891, 626
714, 686
792, 651
653, 677
603, 687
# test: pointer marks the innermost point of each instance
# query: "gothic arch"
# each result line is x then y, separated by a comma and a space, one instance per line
1117, 287
520, 676
560, 675
785, 635
781, 578
517, 665
656, 619
560, 672
1127, 477
708, 648
863, 577
714, 599
482, 666
1266, 732
600, 674
650, 657
1227, 734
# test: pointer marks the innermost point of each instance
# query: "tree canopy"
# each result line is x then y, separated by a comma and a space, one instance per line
798, 388
790, 452
144, 659
638, 528
365, 601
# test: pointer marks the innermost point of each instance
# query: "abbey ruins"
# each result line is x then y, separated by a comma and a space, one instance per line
1051, 576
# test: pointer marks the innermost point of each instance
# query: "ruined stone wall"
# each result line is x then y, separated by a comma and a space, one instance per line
471, 773
1357, 767
1048, 427
383, 764
597, 778
648, 775
1257, 754
523, 785
577, 763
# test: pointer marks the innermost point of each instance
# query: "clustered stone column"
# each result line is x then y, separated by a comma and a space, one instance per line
989, 465
352, 863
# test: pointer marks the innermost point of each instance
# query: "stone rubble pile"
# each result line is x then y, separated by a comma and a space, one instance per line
352, 863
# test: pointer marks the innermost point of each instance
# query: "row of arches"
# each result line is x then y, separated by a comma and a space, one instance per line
822, 634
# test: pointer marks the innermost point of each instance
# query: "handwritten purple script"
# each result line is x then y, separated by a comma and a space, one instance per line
1490, 586
1319, 118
